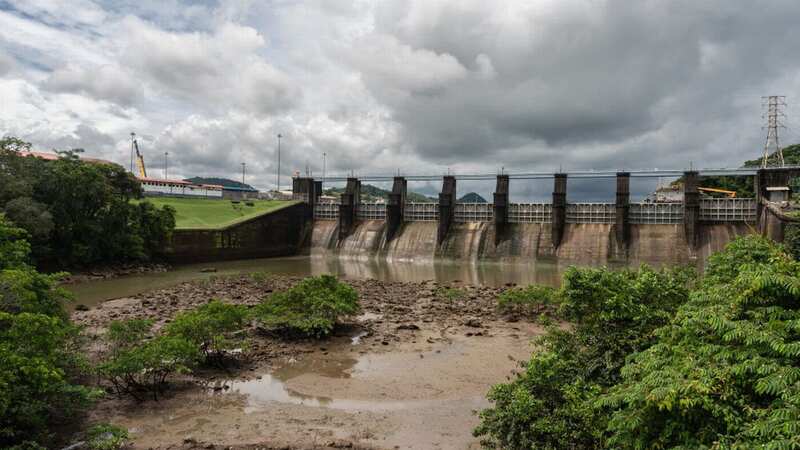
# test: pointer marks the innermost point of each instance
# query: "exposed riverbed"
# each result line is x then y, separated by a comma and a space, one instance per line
92, 292
409, 372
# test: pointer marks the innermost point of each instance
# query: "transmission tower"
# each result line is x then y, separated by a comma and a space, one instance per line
773, 155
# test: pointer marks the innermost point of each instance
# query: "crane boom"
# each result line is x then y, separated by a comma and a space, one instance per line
139, 160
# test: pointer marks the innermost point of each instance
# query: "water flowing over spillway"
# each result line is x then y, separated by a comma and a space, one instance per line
593, 244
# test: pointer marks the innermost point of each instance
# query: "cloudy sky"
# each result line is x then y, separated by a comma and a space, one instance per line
416, 86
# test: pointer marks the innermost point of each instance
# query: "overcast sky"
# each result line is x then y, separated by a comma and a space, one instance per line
415, 86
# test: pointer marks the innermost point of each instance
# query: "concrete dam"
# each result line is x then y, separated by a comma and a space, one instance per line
592, 233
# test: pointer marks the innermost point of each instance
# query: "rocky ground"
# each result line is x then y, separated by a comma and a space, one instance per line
391, 311
444, 345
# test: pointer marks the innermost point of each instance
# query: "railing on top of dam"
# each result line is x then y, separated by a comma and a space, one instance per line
728, 209
530, 212
421, 212
711, 210
655, 213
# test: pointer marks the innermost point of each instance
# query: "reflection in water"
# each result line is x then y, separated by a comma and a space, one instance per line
272, 387
91, 293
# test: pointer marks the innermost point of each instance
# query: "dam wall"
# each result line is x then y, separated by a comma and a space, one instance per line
592, 244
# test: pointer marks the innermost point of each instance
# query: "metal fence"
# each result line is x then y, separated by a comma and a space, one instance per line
371, 211
326, 211
659, 213
530, 212
728, 209
473, 212
591, 213
421, 212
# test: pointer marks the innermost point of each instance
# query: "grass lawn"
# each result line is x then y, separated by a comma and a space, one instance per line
213, 213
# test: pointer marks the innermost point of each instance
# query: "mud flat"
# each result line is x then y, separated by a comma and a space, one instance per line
409, 372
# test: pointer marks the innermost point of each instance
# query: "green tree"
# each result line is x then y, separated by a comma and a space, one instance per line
310, 308
725, 372
141, 367
613, 314
14, 248
211, 328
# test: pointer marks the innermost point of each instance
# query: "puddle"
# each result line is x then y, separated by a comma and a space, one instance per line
419, 396
355, 340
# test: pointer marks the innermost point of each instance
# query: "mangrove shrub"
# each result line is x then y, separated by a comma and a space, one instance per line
311, 308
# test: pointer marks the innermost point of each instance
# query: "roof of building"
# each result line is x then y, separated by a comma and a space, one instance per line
235, 188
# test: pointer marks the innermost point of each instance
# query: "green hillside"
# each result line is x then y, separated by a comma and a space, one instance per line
201, 213
472, 197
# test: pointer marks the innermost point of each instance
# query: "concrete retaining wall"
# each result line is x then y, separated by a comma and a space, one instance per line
284, 232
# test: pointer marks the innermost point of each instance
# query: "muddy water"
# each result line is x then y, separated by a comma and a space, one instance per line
91, 293
423, 394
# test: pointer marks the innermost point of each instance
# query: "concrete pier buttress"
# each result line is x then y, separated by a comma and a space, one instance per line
348, 208
395, 207
691, 208
307, 190
559, 212
447, 203
501, 208
622, 226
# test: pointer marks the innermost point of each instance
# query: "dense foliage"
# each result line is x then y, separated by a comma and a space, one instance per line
614, 313
211, 328
527, 301
78, 213
139, 367
311, 308
646, 366
39, 353
725, 373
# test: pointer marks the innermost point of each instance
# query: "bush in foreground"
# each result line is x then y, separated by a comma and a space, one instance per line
551, 404
311, 308
725, 372
140, 367
210, 327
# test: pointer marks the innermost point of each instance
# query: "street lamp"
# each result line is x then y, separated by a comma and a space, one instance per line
323, 170
278, 182
243, 166
166, 154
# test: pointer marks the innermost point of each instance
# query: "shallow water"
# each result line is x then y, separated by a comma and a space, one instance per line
420, 395
90, 293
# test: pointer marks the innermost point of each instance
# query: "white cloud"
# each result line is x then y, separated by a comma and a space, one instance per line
106, 82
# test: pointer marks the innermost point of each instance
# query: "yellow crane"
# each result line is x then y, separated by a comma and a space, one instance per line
727, 193
136, 154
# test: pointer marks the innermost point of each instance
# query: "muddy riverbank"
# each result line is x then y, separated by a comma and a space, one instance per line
409, 372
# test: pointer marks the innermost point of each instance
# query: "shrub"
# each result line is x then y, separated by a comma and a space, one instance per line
449, 293
526, 301
38, 361
210, 327
725, 372
106, 437
552, 402
140, 368
311, 308
25, 290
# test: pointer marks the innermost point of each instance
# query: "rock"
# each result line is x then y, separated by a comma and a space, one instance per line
208, 270
473, 322
407, 326
81, 307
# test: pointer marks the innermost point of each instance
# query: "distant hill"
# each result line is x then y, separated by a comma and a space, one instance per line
370, 193
472, 197
226, 182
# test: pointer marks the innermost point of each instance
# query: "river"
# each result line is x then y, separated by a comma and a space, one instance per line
91, 293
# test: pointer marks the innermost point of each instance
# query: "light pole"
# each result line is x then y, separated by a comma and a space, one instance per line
278, 182
243, 166
166, 154
324, 155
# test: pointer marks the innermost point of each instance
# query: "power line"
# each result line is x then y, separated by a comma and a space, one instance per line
772, 147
